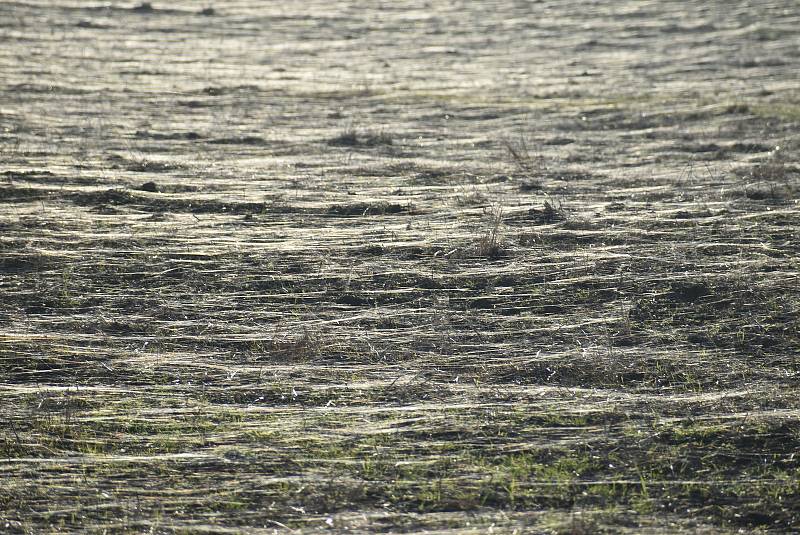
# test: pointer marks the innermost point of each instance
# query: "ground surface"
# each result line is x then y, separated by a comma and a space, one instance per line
444, 267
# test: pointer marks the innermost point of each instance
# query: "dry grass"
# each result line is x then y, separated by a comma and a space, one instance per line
490, 244
398, 328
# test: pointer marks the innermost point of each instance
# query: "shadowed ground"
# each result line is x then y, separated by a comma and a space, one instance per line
520, 267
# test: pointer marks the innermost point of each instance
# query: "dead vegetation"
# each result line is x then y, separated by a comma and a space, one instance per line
522, 155
549, 284
350, 137
490, 244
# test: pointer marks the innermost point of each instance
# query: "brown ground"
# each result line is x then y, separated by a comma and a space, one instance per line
432, 267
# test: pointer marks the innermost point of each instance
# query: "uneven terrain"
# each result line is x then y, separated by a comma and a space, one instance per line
399, 267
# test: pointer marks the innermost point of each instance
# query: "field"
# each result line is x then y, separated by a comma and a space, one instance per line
399, 267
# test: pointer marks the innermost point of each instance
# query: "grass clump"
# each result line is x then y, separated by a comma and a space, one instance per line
490, 244
550, 212
351, 137
771, 181
521, 155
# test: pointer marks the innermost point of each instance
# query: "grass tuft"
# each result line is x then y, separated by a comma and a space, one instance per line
350, 137
490, 244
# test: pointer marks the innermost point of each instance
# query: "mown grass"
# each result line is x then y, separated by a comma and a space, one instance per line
556, 302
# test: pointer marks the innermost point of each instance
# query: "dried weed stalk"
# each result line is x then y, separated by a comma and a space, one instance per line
490, 243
